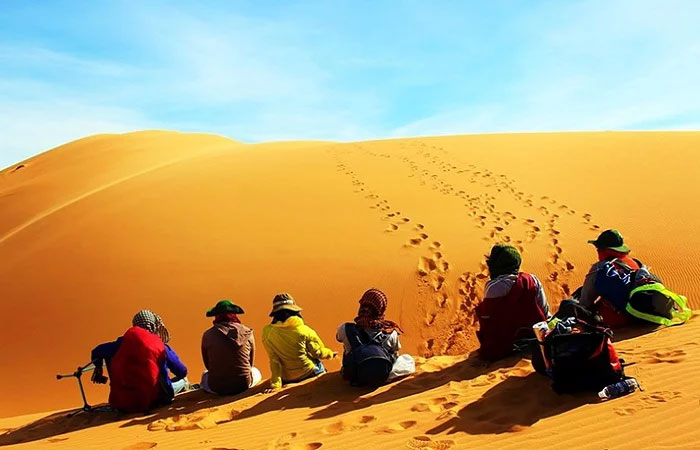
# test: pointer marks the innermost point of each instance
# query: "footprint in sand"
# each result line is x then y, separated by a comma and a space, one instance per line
141, 446
334, 428
415, 242
339, 427
286, 442
438, 404
425, 442
200, 420
426, 265
443, 300
671, 356
649, 400
310, 446
397, 427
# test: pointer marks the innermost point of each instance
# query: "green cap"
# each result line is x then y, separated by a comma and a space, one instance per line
610, 239
224, 306
504, 259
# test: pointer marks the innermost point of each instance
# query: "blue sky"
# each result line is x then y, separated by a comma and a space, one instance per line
259, 71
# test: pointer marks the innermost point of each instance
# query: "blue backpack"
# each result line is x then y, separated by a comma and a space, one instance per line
641, 294
614, 282
368, 363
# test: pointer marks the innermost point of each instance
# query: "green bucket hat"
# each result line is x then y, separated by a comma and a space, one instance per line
225, 306
610, 239
504, 259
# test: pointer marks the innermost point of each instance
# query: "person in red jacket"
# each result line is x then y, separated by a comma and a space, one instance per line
138, 363
513, 302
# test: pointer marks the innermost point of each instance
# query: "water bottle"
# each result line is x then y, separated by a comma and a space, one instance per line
541, 330
619, 389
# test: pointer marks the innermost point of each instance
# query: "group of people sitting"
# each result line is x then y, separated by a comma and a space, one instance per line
618, 290
138, 362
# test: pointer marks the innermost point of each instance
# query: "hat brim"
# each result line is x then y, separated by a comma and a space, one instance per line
622, 248
234, 309
290, 307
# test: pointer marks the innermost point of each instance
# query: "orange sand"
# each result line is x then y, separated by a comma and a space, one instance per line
94, 230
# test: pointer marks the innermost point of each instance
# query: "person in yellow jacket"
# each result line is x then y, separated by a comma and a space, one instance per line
294, 349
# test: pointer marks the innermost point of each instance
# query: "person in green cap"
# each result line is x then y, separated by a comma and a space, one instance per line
513, 301
295, 349
228, 351
611, 248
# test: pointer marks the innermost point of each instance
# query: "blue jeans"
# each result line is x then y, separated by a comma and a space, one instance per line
317, 370
180, 385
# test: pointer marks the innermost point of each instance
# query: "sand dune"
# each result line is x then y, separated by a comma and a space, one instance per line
98, 228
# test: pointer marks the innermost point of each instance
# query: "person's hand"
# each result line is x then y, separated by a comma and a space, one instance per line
98, 377
577, 293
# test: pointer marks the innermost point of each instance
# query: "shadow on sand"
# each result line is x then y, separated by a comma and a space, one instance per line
334, 393
512, 404
59, 423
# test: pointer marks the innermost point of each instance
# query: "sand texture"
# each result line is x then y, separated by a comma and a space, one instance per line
94, 230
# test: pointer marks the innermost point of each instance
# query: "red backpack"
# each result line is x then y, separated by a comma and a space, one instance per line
503, 320
134, 371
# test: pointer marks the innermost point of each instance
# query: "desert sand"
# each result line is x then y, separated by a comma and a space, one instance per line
96, 229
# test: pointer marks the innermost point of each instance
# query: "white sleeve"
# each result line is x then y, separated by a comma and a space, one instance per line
542, 298
340, 334
393, 342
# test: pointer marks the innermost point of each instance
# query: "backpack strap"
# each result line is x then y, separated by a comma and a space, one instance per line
356, 336
679, 316
592, 327
380, 338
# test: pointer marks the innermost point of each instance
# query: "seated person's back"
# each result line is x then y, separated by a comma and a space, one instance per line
513, 302
138, 364
228, 351
370, 326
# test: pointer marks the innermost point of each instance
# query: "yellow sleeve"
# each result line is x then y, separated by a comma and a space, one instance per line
275, 365
314, 345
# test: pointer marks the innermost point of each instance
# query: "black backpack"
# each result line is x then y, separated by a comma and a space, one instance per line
368, 363
584, 360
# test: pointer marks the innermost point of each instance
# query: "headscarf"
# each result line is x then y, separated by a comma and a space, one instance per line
226, 317
371, 314
503, 260
150, 321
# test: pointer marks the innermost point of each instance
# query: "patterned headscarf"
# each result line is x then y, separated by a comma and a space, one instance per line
226, 317
148, 320
371, 314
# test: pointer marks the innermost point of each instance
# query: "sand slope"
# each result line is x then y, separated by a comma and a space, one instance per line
96, 229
